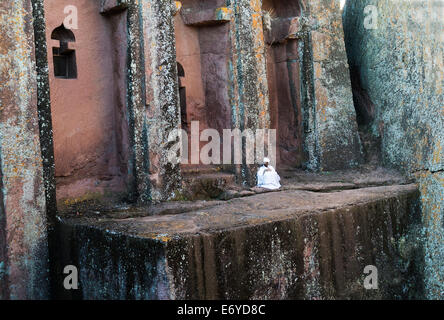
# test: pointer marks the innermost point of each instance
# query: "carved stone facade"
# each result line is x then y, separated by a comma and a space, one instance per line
101, 132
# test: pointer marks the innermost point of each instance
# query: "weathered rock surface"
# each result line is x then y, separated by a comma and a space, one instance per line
398, 70
278, 245
330, 120
23, 223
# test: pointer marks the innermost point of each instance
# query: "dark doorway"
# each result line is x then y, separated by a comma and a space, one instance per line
283, 72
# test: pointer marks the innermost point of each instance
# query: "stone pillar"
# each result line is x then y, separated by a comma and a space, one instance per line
249, 88
153, 102
331, 133
23, 230
139, 187
162, 113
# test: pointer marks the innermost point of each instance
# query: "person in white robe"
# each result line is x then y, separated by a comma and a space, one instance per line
267, 177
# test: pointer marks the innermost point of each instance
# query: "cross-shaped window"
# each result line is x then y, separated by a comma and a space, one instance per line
64, 59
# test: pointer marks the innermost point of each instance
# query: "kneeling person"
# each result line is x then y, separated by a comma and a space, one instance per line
267, 177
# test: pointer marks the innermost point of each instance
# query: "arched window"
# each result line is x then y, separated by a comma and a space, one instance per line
182, 97
64, 59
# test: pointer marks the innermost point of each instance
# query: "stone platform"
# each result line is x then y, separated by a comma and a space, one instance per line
291, 244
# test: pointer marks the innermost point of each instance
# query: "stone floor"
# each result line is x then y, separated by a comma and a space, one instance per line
168, 220
301, 192
292, 180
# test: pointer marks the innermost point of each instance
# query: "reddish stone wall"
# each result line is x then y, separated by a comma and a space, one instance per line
285, 106
204, 53
283, 75
282, 8
90, 135
203, 4
188, 55
215, 53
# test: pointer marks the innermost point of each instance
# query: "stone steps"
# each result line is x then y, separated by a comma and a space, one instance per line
205, 182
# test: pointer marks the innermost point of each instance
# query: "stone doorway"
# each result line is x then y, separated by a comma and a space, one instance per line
283, 71
203, 50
